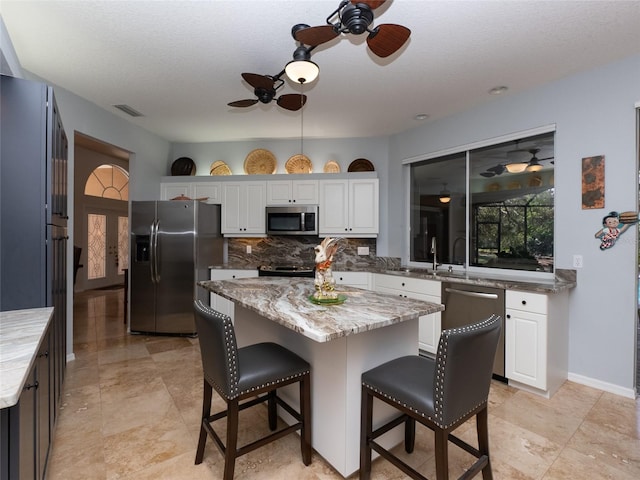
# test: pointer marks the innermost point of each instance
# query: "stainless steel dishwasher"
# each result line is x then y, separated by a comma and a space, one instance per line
467, 304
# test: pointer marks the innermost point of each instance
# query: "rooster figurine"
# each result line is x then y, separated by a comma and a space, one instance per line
324, 282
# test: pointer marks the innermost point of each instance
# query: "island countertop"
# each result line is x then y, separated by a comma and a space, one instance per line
21, 333
286, 302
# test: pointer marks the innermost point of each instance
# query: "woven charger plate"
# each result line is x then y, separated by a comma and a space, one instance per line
361, 165
298, 164
260, 161
331, 167
219, 168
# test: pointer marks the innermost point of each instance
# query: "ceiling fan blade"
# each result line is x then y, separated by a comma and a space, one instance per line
292, 101
314, 36
387, 39
243, 103
498, 169
372, 4
487, 174
258, 81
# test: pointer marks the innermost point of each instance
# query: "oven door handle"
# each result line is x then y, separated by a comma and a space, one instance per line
472, 294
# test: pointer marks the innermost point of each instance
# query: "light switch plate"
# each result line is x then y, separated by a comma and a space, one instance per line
363, 250
248, 248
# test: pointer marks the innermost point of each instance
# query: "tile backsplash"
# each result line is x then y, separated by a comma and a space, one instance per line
296, 250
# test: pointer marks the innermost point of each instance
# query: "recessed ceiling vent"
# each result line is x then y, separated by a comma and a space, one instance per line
129, 110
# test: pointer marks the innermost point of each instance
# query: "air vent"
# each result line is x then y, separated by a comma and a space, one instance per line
129, 111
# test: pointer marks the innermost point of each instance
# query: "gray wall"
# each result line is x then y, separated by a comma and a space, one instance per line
594, 115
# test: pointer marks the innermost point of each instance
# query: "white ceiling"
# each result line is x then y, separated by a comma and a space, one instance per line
179, 62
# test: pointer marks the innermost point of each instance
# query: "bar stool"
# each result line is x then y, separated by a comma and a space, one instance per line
250, 375
440, 394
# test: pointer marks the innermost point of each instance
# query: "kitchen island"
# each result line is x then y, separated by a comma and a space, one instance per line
339, 341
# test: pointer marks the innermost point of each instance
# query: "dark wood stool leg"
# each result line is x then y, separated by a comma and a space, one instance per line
366, 426
483, 441
272, 409
305, 413
442, 454
232, 439
206, 411
409, 435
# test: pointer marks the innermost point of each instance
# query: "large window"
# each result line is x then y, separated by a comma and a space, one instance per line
490, 207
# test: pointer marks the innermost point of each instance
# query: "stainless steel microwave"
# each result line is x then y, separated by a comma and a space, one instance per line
292, 220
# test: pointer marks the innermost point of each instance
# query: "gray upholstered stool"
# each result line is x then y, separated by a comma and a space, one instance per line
440, 394
252, 373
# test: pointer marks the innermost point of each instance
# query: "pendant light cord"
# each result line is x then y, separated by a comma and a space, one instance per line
302, 118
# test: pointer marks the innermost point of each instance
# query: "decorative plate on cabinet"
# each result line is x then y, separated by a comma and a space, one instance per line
219, 168
260, 161
298, 163
361, 165
183, 166
331, 167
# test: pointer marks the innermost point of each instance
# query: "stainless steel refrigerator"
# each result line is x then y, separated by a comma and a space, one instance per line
173, 244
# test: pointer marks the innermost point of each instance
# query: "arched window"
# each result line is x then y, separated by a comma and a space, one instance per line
108, 181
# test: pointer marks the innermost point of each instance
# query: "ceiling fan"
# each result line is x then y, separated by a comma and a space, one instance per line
533, 165
265, 88
355, 17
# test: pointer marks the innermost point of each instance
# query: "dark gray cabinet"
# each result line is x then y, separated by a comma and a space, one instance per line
26, 427
33, 259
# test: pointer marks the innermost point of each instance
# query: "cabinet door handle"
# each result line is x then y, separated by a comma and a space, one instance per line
508, 316
524, 302
29, 386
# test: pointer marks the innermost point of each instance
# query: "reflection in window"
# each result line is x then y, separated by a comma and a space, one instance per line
508, 222
108, 181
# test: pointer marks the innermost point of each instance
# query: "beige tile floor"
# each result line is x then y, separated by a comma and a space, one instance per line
131, 403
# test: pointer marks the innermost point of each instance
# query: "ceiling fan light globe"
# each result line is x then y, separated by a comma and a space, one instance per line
516, 167
534, 167
302, 71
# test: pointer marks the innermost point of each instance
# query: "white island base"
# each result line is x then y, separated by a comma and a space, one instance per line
336, 368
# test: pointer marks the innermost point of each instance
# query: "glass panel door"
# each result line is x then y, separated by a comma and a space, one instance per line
107, 247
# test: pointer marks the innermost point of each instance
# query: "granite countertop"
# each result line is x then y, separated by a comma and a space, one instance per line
285, 301
564, 279
21, 333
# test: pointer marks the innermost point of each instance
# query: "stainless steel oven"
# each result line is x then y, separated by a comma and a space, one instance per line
292, 220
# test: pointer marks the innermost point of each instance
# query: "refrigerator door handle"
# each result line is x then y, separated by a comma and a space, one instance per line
152, 251
156, 272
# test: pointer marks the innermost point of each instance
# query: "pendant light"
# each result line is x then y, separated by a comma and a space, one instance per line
445, 195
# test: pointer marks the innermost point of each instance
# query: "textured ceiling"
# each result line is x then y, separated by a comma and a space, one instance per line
179, 63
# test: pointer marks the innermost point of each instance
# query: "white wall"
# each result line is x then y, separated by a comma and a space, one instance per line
594, 115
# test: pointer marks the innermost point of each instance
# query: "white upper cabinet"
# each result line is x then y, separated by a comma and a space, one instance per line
300, 192
349, 208
209, 190
212, 191
173, 190
243, 208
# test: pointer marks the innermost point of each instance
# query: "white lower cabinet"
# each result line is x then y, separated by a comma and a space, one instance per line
221, 304
353, 279
536, 340
427, 290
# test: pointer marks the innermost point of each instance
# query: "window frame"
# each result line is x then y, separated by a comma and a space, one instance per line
467, 148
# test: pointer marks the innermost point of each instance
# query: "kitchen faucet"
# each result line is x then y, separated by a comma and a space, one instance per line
434, 250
